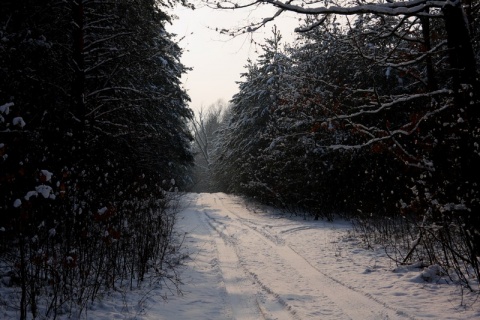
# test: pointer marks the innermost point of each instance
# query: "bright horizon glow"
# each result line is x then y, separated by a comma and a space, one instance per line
218, 60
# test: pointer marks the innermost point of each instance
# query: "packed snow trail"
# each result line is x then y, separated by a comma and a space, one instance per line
245, 262
240, 261
265, 278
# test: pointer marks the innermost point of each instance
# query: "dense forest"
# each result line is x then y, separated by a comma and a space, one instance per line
93, 136
371, 115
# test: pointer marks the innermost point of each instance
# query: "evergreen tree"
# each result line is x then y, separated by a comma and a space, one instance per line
93, 132
384, 111
241, 137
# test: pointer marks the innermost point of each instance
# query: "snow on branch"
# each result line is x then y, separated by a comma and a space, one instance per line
419, 58
415, 7
115, 89
391, 134
401, 8
94, 43
312, 26
383, 106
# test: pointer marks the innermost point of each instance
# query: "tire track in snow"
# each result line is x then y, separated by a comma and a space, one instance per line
296, 229
353, 303
281, 242
240, 296
279, 314
290, 302
273, 267
241, 287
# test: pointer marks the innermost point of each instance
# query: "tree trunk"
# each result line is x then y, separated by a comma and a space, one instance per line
431, 81
78, 85
461, 55
465, 86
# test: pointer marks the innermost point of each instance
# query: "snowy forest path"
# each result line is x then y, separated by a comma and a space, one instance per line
265, 277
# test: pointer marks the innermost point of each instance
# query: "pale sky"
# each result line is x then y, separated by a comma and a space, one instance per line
218, 60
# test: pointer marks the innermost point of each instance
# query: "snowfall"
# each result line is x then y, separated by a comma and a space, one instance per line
244, 261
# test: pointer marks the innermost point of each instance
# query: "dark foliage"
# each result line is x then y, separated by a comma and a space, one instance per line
376, 120
93, 132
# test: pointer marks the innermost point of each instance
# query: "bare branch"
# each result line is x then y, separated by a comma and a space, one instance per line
397, 101
415, 7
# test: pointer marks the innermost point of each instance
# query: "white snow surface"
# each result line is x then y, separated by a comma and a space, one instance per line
249, 262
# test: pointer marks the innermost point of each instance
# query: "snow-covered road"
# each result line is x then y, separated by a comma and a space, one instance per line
246, 263
258, 265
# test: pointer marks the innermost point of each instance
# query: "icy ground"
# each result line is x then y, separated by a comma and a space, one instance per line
244, 262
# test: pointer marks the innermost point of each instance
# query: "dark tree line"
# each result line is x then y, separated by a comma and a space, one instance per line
373, 116
93, 133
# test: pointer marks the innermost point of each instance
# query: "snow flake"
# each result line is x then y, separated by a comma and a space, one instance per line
48, 175
52, 232
102, 210
163, 61
18, 121
5, 109
17, 203
31, 194
452, 207
44, 190
388, 71
414, 190
400, 81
